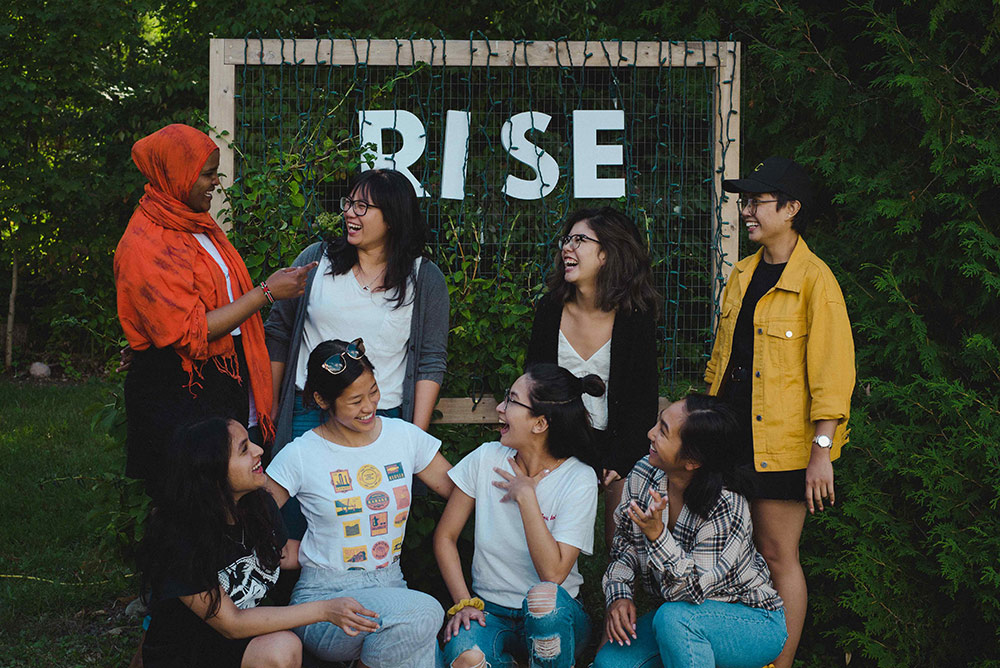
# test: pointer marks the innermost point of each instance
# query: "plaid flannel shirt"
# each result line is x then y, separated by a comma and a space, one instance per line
701, 559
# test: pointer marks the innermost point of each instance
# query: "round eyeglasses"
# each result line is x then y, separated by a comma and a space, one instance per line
336, 363
573, 241
507, 401
359, 205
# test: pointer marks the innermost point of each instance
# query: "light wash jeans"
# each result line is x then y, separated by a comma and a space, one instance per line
408, 620
551, 640
690, 635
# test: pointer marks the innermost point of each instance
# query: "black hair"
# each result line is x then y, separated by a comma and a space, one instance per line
625, 281
801, 219
710, 437
326, 384
187, 535
557, 395
395, 197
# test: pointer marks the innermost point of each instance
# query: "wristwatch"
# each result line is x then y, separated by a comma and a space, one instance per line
823, 441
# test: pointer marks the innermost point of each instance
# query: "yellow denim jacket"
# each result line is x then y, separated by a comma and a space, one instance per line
803, 358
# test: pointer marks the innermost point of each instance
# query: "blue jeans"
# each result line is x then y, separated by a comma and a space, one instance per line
408, 620
690, 635
551, 638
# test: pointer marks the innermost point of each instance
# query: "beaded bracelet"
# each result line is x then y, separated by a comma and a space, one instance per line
267, 292
475, 602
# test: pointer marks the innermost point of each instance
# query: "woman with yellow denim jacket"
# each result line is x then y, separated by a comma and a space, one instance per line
784, 359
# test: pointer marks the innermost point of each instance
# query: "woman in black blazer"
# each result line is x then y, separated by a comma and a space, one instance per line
599, 316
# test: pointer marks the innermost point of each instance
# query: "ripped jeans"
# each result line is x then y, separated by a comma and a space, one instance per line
551, 629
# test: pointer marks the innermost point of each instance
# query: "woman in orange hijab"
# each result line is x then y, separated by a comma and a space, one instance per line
187, 305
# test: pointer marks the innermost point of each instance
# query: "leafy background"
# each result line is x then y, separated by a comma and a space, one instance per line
892, 105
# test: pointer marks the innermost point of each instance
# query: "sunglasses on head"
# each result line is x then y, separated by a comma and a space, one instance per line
336, 363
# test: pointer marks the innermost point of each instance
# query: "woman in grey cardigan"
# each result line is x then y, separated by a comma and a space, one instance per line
372, 282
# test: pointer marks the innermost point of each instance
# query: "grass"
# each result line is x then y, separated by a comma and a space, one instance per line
63, 590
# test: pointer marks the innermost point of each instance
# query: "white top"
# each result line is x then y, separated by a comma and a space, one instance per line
340, 308
209, 246
600, 364
502, 570
355, 500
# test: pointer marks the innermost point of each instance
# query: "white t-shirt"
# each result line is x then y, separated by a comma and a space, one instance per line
502, 570
600, 364
340, 308
209, 246
355, 500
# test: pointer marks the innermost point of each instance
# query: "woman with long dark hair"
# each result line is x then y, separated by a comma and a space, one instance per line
599, 316
534, 494
353, 476
187, 305
372, 282
212, 548
683, 528
784, 360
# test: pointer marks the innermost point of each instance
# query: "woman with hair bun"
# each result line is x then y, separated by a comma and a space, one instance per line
599, 317
534, 494
683, 528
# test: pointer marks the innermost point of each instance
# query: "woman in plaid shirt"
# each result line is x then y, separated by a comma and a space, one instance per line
683, 527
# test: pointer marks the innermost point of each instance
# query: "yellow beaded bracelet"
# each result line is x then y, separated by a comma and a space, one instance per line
476, 603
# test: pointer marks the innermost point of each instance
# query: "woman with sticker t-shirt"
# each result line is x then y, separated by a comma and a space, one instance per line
535, 497
353, 476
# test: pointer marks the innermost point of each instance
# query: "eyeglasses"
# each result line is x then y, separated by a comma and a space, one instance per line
336, 363
752, 203
507, 400
359, 205
573, 241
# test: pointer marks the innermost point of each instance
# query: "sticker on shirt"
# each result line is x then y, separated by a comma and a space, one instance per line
341, 479
382, 565
402, 494
380, 550
377, 500
394, 471
379, 523
347, 506
355, 555
397, 545
352, 528
400, 518
369, 476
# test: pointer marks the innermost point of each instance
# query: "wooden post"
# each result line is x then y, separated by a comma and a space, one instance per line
8, 353
222, 118
727, 154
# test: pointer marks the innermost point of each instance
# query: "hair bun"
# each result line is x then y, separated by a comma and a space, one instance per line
592, 385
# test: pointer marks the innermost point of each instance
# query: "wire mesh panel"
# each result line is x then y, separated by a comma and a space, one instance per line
503, 140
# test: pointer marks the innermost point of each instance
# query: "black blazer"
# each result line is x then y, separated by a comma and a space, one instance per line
633, 383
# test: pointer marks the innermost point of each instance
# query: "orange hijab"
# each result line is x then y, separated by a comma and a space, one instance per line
167, 282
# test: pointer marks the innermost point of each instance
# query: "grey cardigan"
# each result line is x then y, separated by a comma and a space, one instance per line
426, 354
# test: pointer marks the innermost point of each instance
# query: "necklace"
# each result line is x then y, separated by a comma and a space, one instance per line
359, 273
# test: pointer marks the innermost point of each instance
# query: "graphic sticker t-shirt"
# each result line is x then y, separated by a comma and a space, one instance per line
356, 500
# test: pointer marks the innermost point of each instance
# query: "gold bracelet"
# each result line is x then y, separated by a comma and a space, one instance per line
475, 602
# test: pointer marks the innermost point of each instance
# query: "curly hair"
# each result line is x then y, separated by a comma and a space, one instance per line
186, 533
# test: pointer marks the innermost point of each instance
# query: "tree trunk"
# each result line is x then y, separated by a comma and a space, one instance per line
8, 354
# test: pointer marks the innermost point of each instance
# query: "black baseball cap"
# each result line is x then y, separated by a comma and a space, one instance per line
775, 174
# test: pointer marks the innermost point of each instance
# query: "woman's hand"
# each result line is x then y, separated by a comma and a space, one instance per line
819, 481
290, 281
609, 476
619, 622
125, 356
519, 485
352, 617
650, 520
463, 619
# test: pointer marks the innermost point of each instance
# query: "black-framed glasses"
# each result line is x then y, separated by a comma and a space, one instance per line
752, 203
573, 241
507, 401
336, 363
359, 205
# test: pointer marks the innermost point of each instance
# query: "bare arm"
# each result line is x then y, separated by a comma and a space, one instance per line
819, 472
277, 373
277, 492
456, 514
435, 476
284, 283
425, 395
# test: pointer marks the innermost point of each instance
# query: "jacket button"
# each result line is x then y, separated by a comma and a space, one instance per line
760, 331
757, 374
759, 418
788, 334
763, 465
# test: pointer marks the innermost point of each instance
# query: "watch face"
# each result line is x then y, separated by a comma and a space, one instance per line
823, 441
